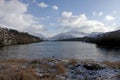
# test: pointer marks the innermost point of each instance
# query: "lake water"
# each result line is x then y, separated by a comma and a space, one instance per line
77, 50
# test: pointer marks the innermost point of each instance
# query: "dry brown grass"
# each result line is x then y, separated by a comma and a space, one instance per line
13, 73
72, 62
35, 61
10, 61
21, 69
60, 68
112, 64
16, 69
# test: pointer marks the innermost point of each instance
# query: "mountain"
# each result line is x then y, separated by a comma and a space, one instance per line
84, 37
109, 39
13, 37
68, 35
94, 34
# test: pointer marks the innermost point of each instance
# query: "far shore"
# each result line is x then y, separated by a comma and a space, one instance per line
58, 69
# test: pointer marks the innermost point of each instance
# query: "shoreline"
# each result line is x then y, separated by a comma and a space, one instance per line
58, 69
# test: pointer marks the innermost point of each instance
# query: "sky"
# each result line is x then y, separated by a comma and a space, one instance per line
51, 17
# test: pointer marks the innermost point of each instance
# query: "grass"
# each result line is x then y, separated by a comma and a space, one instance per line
14, 73
39, 69
112, 64
72, 62
16, 70
14, 61
60, 68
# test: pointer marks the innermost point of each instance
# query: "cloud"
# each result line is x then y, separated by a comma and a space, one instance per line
33, 1
55, 7
114, 12
114, 24
81, 23
36, 28
109, 18
13, 14
100, 13
42, 5
66, 14
94, 13
97, 14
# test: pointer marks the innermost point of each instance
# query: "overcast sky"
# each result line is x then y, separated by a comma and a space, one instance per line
51, 17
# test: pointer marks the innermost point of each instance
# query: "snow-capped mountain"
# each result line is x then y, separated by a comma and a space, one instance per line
108, 39
68, 35
94, 34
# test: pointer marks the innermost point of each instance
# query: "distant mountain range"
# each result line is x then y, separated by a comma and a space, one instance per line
68, 35
73, 35
13, 37
108, 39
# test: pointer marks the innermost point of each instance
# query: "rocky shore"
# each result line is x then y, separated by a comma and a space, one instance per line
58, 69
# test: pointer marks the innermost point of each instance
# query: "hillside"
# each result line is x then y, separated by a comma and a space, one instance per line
12, 37
109, 39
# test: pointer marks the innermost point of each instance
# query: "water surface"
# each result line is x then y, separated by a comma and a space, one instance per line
77, 50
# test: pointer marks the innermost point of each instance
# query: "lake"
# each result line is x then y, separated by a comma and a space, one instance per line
75, 49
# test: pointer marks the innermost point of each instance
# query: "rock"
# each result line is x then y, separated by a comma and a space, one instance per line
93, 66
13, 37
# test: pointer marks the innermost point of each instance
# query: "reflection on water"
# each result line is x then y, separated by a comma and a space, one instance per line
76, 50
110, 53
